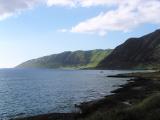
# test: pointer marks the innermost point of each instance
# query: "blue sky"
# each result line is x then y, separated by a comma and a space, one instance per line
27, 33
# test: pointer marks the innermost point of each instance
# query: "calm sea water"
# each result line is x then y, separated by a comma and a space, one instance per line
27, 92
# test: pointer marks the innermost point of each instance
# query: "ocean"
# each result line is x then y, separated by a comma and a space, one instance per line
29, 92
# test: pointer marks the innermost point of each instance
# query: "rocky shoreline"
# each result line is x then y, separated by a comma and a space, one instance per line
136, 90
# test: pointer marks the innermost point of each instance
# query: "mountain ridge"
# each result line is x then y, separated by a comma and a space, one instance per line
135, 53
68, 59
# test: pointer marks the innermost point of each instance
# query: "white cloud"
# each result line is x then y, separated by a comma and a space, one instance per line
63, 30
8, 8
82, 3
127, 15
124, 16
88, 3
70, 3
5, 15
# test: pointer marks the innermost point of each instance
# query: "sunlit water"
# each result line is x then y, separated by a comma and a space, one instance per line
27, 92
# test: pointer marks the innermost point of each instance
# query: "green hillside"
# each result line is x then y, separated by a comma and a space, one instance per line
78, 59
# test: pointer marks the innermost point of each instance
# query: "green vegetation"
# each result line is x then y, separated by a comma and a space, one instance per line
137, 100
74, 60
148, 109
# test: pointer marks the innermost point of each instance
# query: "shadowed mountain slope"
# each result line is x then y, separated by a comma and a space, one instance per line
135, 53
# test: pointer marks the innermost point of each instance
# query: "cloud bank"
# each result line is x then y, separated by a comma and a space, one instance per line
127, 15
9, 8
123, 15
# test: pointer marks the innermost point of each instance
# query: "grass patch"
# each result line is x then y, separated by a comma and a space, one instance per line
148, 109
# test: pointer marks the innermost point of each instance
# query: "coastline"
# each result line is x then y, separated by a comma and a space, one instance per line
137, 89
